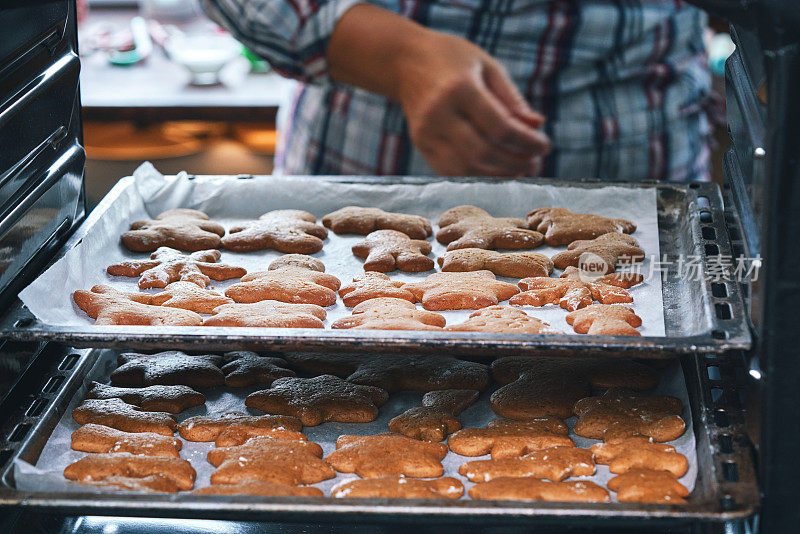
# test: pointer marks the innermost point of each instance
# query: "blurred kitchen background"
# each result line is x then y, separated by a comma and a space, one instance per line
161, 82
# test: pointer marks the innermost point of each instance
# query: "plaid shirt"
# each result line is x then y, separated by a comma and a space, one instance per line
621, 82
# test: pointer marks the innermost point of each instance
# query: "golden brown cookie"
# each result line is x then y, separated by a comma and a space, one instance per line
534, 489
122, 464
169, 368
625, 280
116, 413
372, 285
389, 250
390, 314
167, 265
561, 226
555, 463
503, 438
244, 368
183, 229
189, 296
396, 372
503, 319
172, 399
289, 231
111, 307
640, 452
99, 438
260, 487
620, 413
358, 220
605, 320
268, 314
569, 294
511, 264
600, 255
320, 399
461, 291
437, 417
387, 455
647, 485
279, 461
400, 487
535, 387
235, 428
472, 227
148, 484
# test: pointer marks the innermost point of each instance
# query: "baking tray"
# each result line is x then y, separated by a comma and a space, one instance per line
700, 314
725, 488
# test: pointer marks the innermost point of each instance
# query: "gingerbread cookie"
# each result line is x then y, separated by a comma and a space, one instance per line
511, 264
99, 438
387, 455
358, 220
549, 387
235, 428
534, 489
605, 320
289, 231
268, 314
183, 229
167, 265
169, 368
390, 314
510, 439
388, 250
561, 226
279, 461
647, 485
640, 452
472, 227
189, 296
101, 466
620, 413
148, 484
260, 487
317, 400
396, 372
245, 368
111, 307
460, 291
437, 417
116, 413
600, 255
297, 279
400, 487
503, 319
624, 280
172, 399
554, 463
569, 294
373, 285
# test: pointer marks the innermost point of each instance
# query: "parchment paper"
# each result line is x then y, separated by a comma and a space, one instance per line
57, 454
230, 201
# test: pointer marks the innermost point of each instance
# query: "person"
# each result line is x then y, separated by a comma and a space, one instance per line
610, 89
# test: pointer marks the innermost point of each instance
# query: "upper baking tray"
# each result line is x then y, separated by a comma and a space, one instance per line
699, 314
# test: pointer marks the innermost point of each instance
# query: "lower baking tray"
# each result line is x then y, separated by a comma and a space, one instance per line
725, 488
700, 314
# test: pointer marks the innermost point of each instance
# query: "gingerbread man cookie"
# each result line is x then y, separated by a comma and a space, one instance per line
373, 285
123, 464
172, 399
534, 489
235, 428
390, 314
437, 417
387, 455
183, 229
245, 368
503, 319
289, 231
600, 255
296, 279
320, 399
99, 438
189, 296
503, 438
605, 320
460, 291
169, 368
511, 264
260, 487
268, 314
554, 463
648, 485
167, 265
111, 307
389, 250
472, 227
358, 220
400, 487
117, 414
640, 452
561, 226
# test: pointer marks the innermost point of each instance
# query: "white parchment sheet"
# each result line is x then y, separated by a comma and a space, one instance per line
46, 475
231, 201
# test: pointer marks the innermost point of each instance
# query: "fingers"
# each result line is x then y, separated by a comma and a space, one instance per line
500, 84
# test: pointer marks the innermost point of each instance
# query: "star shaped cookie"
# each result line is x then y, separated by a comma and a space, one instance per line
172, 399
245, 368
168, 265
170, 368
189, 296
